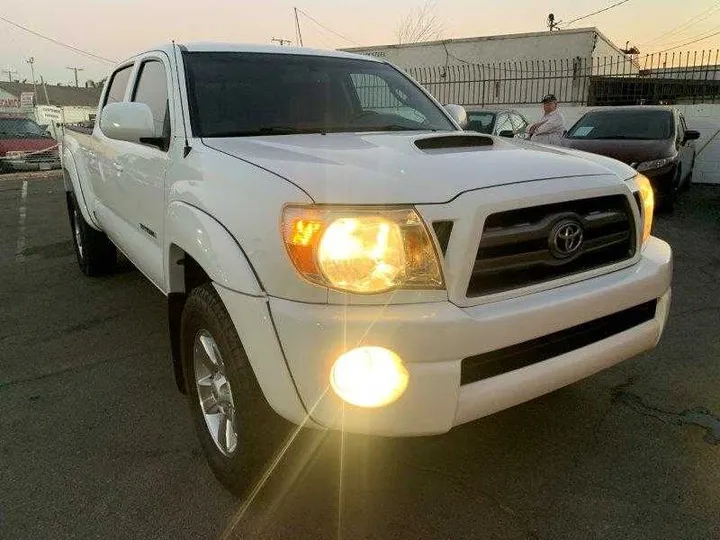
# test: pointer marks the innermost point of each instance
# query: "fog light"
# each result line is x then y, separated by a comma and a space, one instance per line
369, 377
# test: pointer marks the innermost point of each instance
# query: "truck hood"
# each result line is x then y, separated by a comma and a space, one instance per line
384, 168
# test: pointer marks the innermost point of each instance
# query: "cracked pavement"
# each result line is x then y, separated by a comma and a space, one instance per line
95, 442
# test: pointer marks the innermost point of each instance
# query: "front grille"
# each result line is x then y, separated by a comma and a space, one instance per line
516, 245
42, 157
484, 366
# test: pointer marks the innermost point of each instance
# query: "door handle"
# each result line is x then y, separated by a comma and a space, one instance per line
118, 167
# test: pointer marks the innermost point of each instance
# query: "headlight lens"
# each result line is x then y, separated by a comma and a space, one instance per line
361, 250
15, 154
654, 164
648, 204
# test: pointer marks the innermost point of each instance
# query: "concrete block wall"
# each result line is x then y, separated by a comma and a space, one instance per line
703, 118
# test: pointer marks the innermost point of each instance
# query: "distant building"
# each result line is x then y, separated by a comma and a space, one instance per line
549, 46
510, 68
75, 104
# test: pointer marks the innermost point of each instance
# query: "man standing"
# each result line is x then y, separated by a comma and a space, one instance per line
551, 127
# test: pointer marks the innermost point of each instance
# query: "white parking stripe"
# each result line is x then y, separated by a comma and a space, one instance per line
20, 248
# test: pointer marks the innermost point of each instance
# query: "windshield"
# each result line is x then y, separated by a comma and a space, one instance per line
245, 94
480, 121
20, 128
646, 125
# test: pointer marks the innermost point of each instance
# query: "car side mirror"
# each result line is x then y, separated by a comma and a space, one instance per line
507, 133
132, 122
691, 135
459, 114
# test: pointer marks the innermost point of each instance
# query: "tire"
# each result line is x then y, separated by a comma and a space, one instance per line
253, 431
96, 254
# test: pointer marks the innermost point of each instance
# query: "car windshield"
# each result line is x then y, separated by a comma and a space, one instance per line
20, 128
622, 125
480, 121
245, 94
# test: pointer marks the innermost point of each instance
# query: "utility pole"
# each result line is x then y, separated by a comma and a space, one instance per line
76, 69
42, 81
281, 41
9, 72
297, 27
31, 61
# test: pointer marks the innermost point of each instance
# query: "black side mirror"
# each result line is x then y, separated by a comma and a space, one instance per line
507, 133
691, 135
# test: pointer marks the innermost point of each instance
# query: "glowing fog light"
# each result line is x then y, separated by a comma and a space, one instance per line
369, 377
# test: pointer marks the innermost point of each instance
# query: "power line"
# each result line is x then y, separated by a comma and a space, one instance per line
688, 43
699, 36
56, 42
616, 4
697, 18
326, 28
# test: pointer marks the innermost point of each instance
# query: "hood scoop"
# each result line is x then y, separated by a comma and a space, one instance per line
445, 143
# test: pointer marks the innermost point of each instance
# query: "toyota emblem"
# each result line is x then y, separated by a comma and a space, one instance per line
566, 239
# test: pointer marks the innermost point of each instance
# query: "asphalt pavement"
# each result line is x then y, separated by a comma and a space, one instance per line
96, 442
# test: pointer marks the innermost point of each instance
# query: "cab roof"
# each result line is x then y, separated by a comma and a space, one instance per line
258, 48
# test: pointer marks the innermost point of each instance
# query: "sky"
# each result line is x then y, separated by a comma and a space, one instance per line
116, 29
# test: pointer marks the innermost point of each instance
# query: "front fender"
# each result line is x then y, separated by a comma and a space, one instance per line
72, 182
193, 231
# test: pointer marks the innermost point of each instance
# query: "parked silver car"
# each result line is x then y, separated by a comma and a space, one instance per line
505, 123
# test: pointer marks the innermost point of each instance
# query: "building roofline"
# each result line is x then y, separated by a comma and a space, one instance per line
605, 38
483, 38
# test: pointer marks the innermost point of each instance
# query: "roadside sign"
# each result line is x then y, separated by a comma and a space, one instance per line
53, 114
27, 100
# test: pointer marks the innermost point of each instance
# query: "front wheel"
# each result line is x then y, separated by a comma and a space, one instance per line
96, 255
238, 430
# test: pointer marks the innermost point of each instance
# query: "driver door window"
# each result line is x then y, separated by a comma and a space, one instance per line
152, 90
519, 124
503, 124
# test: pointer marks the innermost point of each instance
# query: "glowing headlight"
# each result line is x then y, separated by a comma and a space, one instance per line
648, 204
369, 377
361, 250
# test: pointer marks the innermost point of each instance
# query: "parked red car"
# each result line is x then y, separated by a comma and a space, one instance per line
25, 146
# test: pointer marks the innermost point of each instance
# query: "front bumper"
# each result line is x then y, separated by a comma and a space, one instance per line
26, 165
433, 338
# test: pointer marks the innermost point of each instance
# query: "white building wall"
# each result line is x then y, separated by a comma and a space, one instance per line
512, 47
513, 68
703, 118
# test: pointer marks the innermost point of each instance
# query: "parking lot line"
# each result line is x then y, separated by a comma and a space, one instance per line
20, 249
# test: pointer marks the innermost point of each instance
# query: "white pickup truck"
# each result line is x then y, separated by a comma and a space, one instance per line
334, 248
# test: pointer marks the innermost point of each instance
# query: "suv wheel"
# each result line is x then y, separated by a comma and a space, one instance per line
238, 430
96, 255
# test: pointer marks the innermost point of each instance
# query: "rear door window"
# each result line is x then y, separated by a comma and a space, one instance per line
118, 85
